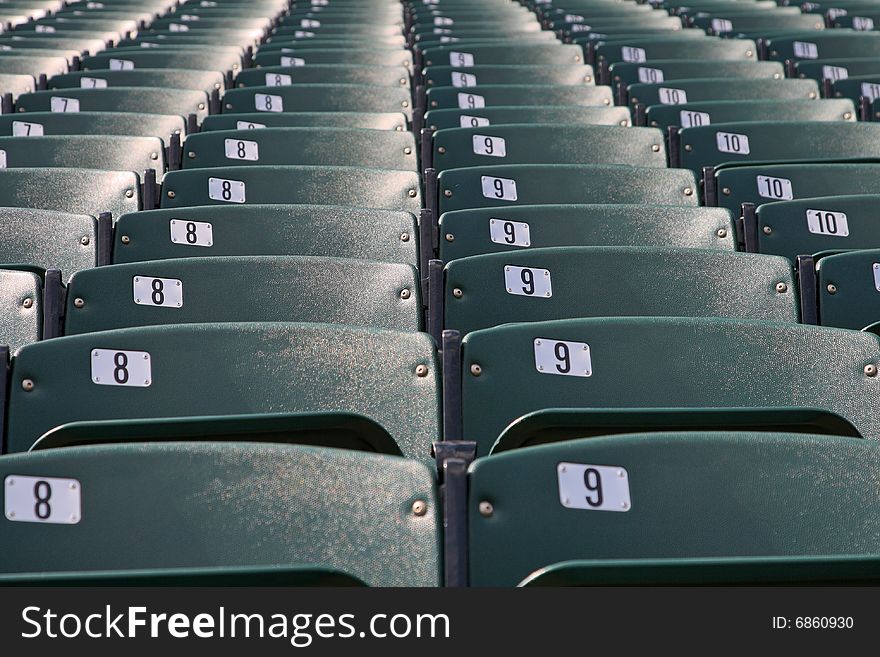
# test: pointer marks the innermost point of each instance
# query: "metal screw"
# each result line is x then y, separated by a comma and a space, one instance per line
588, 79
870, 370
202, 106
404, 104
79, 302
726, 191
125, 239
577, 58
419, 508
404, 237
84, 240
688, 148
27, 385
450, 237
721, 232
748, 53
776, 76
476, 370
656, 148
402, 80
767, 230
688, 191
27, 303
407, 151
412, 193
441, 150
404, 293
171, 194
421, 370
447, 193
191, 155
228, 105
154, 156
832, 289
456, 292
781, 287
624, 123
847, 115
486, 509
812, 95
433, 103
129, 193
606, 101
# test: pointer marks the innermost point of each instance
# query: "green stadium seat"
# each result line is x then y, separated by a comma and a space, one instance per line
849, 287
520, 228
253, 229
547, 144
244, 288
439, 119
646, 49
21, 298
315, 373
548, 283
312, 532
77, 191
215, 59
48, 240
522, 94
733, 111
828, 44
279, 76
777, 141
32, 65
728, 21
318, 98
542, 74
680, 92
297, 56
627, 73
145, 100
466, 56
92, 123
836, 68
356, 147
253, 120
121, 153
142, 77
356, 186
16, 84
751, 494
537, 184
310, 40
705, 364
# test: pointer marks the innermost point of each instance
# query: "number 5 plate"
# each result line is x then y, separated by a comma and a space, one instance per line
42, 499
593, 487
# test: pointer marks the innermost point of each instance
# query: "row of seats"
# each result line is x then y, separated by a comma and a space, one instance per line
436, 292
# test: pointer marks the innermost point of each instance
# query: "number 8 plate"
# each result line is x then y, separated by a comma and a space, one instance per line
593, 487
42, 499
115, 367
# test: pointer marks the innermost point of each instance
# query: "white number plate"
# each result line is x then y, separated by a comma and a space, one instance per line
467, 121
490, 146
720, 25
293, 61
460, 58
593, 487
440, 21
178, 27
240, 149
464, 80
731, 142
309, 23
300, 34
268, 103
25, 129
825, 222
112, 367
563, 358
503, 189
231, 191
248, 125
59, 104
512, 233
805, 50
876, 268
121, 65
833, 12
2, 159
630, 54
527, 281
870, 90
47, 29
164, 292
193, 233
650, 74
278, 80
692, 119
835, 73
779, 188
42, 499
862, 23
92, 83
670, 96
470, 101
573, 18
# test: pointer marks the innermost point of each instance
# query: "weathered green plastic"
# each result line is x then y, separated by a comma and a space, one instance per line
751, 495
246, 368
320, 98
380, 76
816, 69
447, 76
177, 78
516, 94
548, 144
354, 147
369, 120
665, 70
231, 506
827, 44
735, 111
17, 84
254, 229
314, 185
363, 56
143, 100
92, 123
120, 153
551, 53
616, 281
739, 89
213, 59
467, 232
659, 362
537, 184
47, 239
557, 114
247, 288
848, 289
677, 48
21, 298
78, 191
33, 65
762, 19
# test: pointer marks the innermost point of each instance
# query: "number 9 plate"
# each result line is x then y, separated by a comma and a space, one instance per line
593, 487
